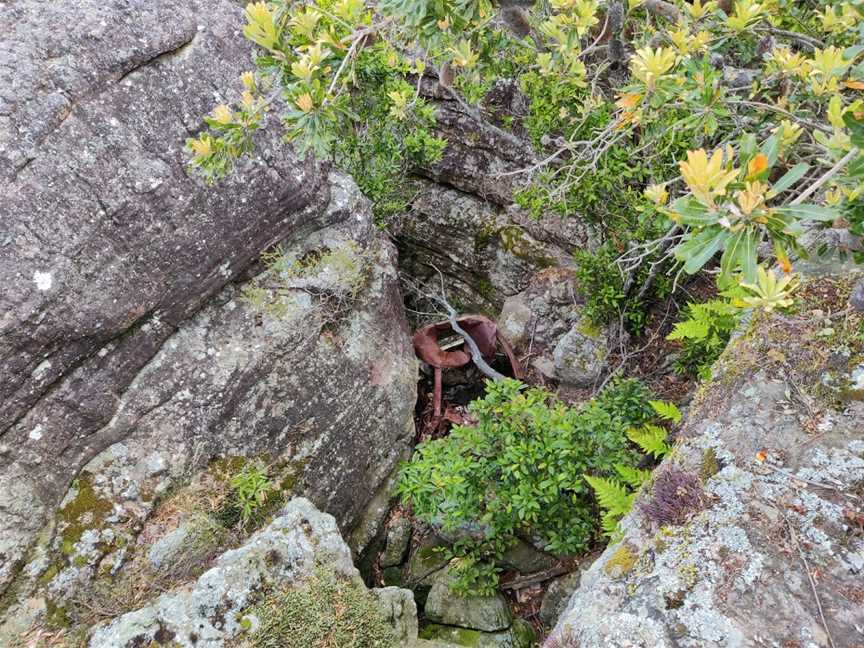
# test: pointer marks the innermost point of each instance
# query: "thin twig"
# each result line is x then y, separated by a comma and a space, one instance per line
476, 354
828, 175
794, 538
781, 111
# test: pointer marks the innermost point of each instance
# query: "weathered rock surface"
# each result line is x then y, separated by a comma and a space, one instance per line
485, 252
484, 613
557, 596
781, 453
396, 547
520, 635
210, 611
547, 318
479, 160
128, 357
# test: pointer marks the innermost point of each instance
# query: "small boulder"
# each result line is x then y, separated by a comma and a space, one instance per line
520, 635
399, 609
580, 356
856, 299
556, 597
526, 558
398, 538
484, 613
424, 562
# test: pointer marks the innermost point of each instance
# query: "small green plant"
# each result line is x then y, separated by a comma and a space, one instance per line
518, 471
703, 333
327, 611
251, 489
616, 495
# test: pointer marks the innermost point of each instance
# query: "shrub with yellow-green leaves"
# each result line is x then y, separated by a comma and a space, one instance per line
677, 145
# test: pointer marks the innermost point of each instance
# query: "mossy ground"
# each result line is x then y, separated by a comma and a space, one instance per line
819, 335
327, 611
206, 506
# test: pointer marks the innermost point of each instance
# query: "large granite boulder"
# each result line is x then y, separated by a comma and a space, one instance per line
769, 550
130, 358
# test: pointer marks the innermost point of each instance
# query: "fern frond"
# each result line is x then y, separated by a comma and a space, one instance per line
609, 524
690, 329
632, 476
666, 410
611, 495
651, 439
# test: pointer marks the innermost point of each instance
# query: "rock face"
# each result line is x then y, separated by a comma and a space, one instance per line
484, 613
776, 440
210, 611
485, 252
129, 357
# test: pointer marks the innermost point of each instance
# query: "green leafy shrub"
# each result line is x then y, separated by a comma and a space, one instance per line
601, 283
653, 141
328, 611
520, 470
703, 333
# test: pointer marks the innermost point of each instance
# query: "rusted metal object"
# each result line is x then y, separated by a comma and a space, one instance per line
485, 334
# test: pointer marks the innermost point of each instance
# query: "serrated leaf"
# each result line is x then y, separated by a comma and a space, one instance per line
689, 330
699, 249
771, 149
651, 439
632, 476
693, 213
856, 168
611, 495
741, 252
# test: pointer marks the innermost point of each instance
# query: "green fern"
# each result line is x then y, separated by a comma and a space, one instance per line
633, 477
651, 439
614, 498
703, 334
611, 495
666, 410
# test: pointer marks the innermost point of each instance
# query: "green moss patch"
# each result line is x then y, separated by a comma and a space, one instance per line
327, 611
86, 510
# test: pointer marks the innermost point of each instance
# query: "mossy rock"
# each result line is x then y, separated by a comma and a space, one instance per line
519, 635
326, 610
621, 562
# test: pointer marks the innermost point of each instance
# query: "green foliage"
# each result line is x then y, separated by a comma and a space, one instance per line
651, 439
520, 470
666, 411
326, 611
251, 489
742, 166
601, 284
614, 498
703, 334
616, 495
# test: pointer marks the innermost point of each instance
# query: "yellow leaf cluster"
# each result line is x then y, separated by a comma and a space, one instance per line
707, 178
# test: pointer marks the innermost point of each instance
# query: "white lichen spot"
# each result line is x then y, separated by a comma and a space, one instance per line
43, 280
36, 433
39, 371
